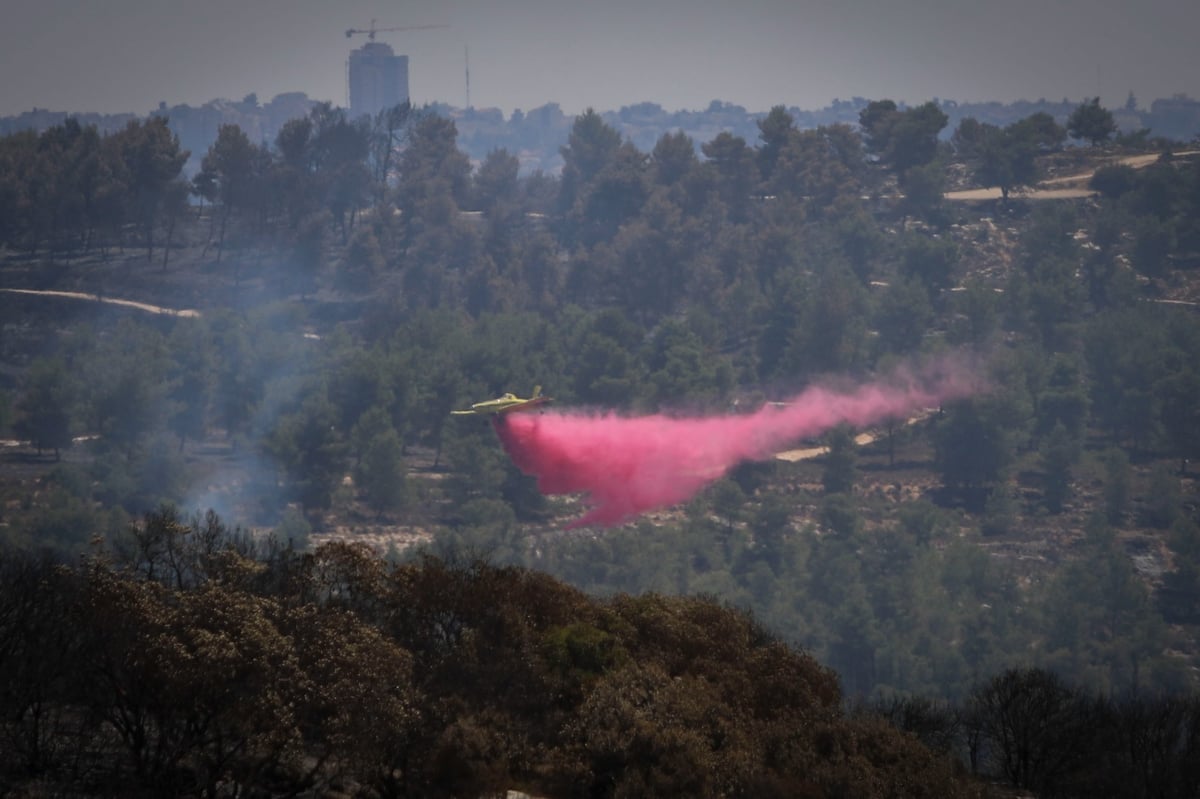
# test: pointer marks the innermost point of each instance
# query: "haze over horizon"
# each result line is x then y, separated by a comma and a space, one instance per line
128, 55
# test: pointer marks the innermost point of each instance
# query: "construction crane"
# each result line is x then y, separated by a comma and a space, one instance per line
373, 30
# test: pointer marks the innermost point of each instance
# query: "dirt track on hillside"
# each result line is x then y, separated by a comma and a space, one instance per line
1067, 187
862, 439
79, 295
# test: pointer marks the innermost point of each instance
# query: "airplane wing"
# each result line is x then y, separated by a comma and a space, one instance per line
526, 405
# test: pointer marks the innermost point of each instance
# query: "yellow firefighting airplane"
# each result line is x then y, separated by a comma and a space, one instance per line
505, 404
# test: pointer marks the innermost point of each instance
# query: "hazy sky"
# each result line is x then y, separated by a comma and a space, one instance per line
126, 55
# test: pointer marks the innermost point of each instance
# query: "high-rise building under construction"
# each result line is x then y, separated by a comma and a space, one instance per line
378, 79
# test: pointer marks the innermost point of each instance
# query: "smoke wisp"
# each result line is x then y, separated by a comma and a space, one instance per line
627, 466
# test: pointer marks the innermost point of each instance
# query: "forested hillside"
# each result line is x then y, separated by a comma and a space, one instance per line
219, 664
354, 282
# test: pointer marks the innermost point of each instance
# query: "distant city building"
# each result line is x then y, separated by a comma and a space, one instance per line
1176, 117
378, 79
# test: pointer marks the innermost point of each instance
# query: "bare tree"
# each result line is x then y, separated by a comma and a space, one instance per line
1031, 728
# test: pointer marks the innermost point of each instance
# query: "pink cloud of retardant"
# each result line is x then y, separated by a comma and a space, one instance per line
626, 466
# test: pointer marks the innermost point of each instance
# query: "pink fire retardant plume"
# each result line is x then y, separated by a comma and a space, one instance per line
627, 466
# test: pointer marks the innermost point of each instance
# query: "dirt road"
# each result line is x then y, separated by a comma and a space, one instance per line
793, 455
1068, 187
79, 295
862, 439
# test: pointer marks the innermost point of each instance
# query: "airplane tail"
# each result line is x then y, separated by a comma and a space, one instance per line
537, 392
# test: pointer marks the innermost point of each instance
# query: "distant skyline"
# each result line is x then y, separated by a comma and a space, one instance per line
128, 55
